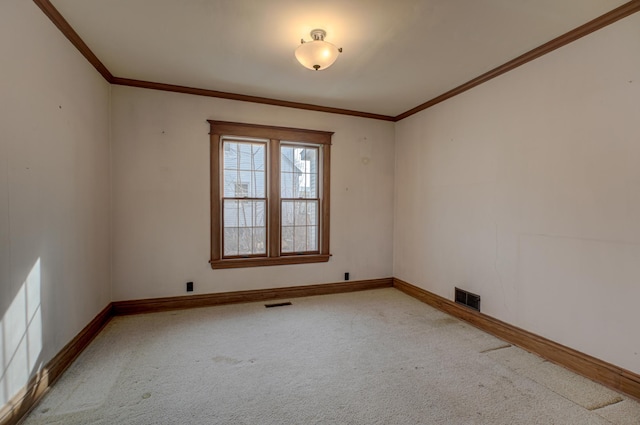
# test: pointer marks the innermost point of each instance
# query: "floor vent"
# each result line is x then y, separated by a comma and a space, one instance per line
467, 298
277, 304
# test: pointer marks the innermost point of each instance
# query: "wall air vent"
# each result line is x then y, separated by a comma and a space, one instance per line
467, 298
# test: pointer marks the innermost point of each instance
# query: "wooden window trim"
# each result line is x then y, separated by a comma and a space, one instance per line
275, 135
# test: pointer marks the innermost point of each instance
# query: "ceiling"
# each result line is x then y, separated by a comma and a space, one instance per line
397, 54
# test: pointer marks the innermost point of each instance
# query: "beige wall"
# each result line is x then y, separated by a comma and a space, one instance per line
161, 195
54, 184
526, 190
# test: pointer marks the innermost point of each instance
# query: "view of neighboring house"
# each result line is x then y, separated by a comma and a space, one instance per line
245, 204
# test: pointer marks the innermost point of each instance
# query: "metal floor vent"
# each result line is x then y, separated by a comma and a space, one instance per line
277, 304
467, 298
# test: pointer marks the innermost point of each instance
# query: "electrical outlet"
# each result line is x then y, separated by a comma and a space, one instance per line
346, 276
189, 286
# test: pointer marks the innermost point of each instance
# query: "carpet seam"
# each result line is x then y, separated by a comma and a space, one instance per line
496, 348
619, 400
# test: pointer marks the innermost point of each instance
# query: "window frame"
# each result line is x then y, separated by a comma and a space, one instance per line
276, 136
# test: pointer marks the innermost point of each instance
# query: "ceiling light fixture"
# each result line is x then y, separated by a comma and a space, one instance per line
317, 54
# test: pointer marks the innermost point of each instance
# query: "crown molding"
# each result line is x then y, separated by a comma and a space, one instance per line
245, 98
602, 21
569, 37
66, 29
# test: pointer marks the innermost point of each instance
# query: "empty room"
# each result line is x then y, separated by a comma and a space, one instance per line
327, 212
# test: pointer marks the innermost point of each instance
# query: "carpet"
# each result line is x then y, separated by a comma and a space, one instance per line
371, 357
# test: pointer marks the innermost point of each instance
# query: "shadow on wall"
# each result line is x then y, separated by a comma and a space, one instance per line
21, 337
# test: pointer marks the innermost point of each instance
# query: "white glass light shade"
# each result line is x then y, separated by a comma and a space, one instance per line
317, 54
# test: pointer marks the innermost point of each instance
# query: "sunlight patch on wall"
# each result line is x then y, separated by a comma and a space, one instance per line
21, 336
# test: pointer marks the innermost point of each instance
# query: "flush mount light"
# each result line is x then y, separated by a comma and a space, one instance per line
317, 54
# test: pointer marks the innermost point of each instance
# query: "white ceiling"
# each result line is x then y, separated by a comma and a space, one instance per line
397, 54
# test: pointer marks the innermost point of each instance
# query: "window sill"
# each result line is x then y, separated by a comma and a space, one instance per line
268, 261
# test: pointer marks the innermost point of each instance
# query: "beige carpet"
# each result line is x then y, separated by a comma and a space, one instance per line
374, 357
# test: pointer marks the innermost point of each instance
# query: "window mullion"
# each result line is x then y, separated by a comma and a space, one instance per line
273, 197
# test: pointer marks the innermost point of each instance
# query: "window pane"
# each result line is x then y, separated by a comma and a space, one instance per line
259, 157
300, 213
300, 226
230, 157
245, 214
245, 157
299, 172
230, 213
313, 186
311, 155
259, 215
229, 184
298, 159
245, 241
309, 180
259, 184
245, 182
312, 213
230, 241
286, 159
312, 238
286, 244
287, 213
244, 170
244, 227
287, 185
259, 240
300, 239
241, 190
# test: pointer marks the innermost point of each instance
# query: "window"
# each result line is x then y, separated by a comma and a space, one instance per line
269, 195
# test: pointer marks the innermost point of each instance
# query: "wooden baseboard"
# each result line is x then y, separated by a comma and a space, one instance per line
20, 404
590, 367
605, 373
207, 300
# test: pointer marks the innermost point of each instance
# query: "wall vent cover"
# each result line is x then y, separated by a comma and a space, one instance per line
468, 299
